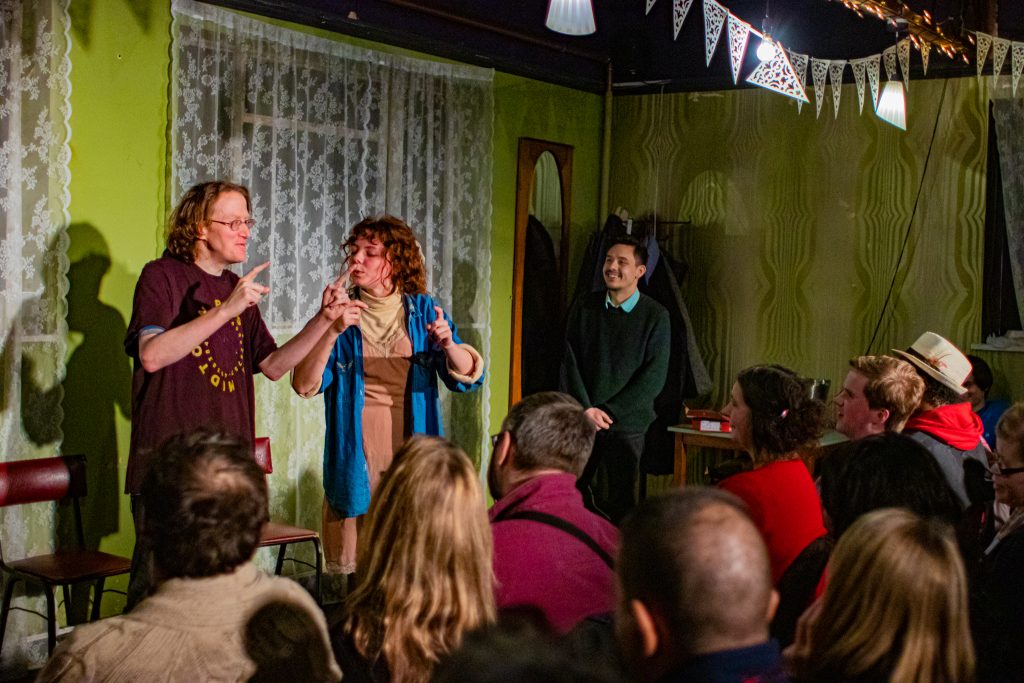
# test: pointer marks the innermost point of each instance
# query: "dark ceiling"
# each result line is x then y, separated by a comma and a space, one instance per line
509, 35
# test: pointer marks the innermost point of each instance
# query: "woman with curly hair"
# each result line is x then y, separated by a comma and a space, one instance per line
773, 416
425, 574
895, 608
377, 368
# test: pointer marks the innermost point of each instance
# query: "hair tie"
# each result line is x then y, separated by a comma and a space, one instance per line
784, 413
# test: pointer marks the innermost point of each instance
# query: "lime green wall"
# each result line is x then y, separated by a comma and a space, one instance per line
119, 85
120, 80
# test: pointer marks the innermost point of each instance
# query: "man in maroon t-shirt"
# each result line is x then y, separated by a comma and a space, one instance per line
197, 336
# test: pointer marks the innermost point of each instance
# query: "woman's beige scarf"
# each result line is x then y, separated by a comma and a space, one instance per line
383, 321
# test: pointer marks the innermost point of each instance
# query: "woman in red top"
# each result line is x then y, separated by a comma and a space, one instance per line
772, 416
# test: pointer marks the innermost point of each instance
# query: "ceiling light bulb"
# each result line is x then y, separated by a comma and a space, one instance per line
571, 17
766, 50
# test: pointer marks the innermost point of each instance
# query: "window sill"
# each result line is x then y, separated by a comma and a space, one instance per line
997, 349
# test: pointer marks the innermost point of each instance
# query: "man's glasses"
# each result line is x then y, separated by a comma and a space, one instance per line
237, 224
997, 468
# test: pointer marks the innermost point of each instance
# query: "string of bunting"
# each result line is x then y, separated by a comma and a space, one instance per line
786, 71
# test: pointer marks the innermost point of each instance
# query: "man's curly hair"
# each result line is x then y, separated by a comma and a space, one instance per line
408, 272
192, 210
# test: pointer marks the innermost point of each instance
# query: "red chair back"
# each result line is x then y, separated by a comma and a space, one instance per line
42, 479
261, 451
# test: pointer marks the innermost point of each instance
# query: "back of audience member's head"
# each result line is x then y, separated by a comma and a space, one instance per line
549, 431
784, 416
519, 649
1011, 426
692, 568
424, 556
880, 471
206, 504
892, 384
286, 643
895, 607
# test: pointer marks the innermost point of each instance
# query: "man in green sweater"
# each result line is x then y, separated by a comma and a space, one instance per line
615, 364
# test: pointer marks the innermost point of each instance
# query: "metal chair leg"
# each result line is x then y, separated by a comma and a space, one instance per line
51, 618
319, 571
97, 596
280, 558
6, 608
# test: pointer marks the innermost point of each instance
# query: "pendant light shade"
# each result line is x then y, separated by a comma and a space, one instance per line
571, 17
892, 105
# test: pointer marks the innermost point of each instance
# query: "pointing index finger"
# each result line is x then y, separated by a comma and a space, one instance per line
256, 271
439, 313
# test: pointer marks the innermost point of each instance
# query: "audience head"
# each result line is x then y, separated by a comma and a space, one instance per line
190, 218
286, 643
517, 649
895, 607
1008, 472
978, 382
543, 432
390, 254
424, 558
206, 504
878, 395
942, 367
693, 578
881, 471
772, 412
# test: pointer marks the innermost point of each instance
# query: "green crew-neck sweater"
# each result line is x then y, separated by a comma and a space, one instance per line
617, 361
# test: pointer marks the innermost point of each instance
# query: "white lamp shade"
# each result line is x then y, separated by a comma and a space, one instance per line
892, 105
571, 17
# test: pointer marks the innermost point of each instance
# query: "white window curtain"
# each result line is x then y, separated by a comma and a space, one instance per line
34, 155
325, 134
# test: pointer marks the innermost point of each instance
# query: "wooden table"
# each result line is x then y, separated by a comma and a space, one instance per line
723, 440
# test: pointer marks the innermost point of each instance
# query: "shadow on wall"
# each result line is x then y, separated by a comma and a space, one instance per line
96, 385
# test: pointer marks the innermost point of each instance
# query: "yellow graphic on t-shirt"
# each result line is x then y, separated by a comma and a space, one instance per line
220, 376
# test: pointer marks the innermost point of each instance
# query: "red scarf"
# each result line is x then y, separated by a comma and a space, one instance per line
956, 425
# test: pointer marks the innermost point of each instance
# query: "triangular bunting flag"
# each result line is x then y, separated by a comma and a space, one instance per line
835, 75
799, 63
1017, 64
679, 10
1000, 46
650, 4
859, 67
777, 74
926, 49
739, 34
714, 19
984, 43
819, 72
889, 57
873, 61
903, 50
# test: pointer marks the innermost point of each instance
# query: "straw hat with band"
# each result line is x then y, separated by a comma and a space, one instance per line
939, 359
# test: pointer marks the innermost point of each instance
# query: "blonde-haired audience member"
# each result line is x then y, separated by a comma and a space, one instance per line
424, 567
998, 604
878, 395
895, 608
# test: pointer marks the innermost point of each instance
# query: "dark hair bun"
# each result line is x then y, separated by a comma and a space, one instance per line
783, 415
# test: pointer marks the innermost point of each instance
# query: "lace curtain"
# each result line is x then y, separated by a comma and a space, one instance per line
34, 155
1008, 113
324, 134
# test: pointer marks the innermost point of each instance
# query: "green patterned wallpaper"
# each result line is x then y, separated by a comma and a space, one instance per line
797, 221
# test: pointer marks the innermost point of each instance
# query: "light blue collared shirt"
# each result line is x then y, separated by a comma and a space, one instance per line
627, 306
